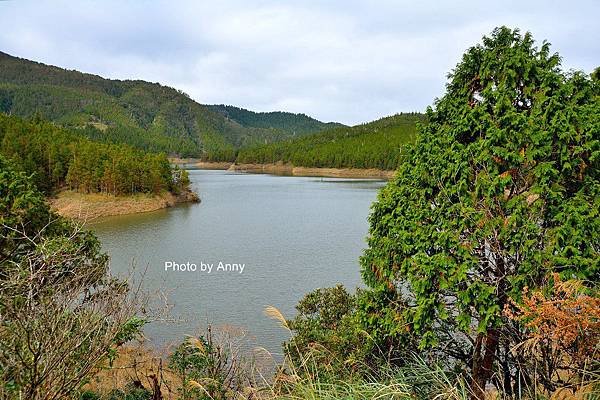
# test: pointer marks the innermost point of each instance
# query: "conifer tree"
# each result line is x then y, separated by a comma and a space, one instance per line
500, 189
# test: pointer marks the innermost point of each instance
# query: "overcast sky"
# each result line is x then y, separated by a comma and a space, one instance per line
344, 60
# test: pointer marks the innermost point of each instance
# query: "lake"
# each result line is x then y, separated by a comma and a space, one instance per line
291, 234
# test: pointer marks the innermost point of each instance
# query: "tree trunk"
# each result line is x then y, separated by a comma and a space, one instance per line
156, 392
483, 362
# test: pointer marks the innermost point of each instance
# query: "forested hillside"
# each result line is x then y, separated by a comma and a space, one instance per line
296, 124
143, 114
56, 158
377, 144
158, 118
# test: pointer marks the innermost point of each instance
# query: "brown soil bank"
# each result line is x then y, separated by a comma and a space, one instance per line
287, 169
86, 207
197, 163
212, 165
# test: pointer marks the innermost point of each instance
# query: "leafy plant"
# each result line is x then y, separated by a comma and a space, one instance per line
213, 366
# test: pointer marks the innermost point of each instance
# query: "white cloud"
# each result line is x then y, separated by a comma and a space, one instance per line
349, 61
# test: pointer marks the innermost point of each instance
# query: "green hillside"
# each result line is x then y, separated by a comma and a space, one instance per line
296, 124
377, 144
146, 115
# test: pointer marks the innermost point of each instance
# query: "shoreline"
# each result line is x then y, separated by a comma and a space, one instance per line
86, 207
287, 169
290, 170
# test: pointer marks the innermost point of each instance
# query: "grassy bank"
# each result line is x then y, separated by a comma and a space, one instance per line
199, 164
94, 205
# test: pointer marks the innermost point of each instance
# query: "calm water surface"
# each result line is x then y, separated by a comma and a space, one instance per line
293, 234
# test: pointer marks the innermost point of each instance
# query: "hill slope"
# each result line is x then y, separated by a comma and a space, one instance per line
376, 144
147, 115
296, 124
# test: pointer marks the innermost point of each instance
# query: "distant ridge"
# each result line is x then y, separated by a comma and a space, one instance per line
144, 114
297, 124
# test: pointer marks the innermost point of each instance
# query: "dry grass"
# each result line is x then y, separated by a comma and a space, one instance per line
99, 125
147, 368
85, 207
275, 314
139, 364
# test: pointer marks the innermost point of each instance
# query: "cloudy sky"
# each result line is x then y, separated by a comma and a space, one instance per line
346, 60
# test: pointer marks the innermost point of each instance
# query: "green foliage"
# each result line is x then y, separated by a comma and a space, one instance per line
417, 380
117, 169
130, 329
323, 328
191, 361
181, 179
377, 144
501, 187
142, 114
20, 205
25, 214
596, 74
213, 366
57, 158
89, 395
379, 315
349, 335
131, 391
26, 222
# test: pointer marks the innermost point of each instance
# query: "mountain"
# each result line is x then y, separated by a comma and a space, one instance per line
144, 114
296, 124
376, 144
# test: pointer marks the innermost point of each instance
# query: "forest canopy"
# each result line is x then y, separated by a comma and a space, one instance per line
377, 144
57, 158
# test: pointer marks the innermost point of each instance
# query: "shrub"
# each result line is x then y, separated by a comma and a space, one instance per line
61, 312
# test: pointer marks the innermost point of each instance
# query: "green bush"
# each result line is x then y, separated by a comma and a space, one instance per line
131, 391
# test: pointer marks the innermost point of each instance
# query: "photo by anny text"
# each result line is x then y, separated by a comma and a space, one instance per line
205, 267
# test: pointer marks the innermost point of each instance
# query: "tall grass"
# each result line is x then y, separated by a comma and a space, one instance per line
305, 379
418, 380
